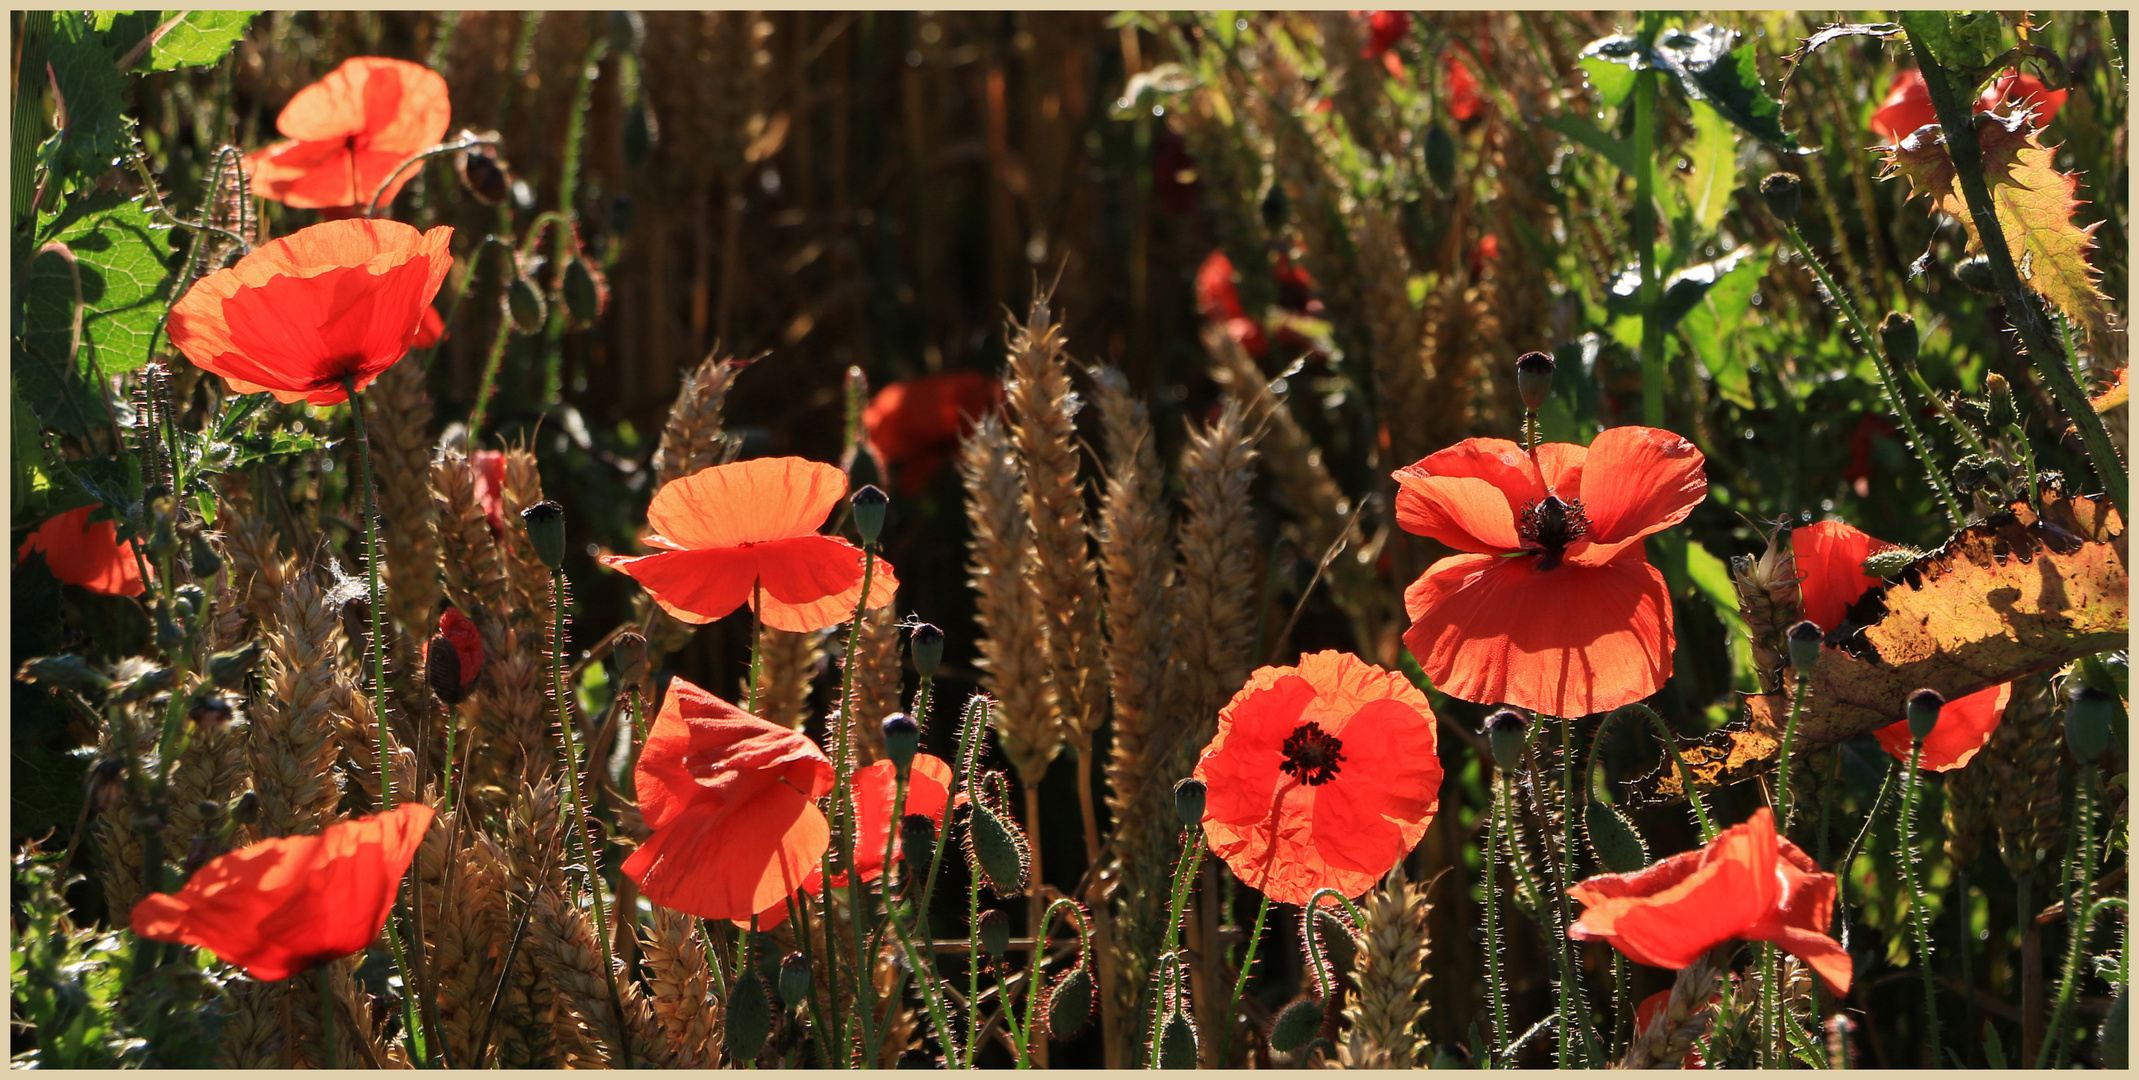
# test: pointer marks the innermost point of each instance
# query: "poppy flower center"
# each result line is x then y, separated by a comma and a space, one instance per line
1312, 755
1550, 524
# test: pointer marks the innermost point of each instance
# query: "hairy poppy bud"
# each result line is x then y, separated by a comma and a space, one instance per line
1533, 379
1999, 394
1177, 1043
631, 660
523, 301
1780, 190
1189, 797
209, 710
902, 739
1615, 841
1923, 710
917, 844
1440, 154
545, 530
627, 31
1975, 273
1069, 1004
229, 668
1296, 1026
1805, 647
1507, 731
749, 1019
1970, 473
105, 785
247, 809
2115, 1035
169, 637
794, 979
2087, 722
1898, 333
1888, 562
994, 934
483, 174
586, 295
869, 504
926, 644
205, 561
997, 849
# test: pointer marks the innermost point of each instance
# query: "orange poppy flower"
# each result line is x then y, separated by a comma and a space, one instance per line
85, 553
1747, 885
1553, 606
876, 789
1908, 102
731, 800
915, 426
283, 905
349, 131
1323, 775
729, 526
338, 300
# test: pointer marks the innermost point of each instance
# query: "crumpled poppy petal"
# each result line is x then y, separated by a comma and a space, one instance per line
352, 130
1569, 641
811, 582
1965, 726
1239, 768
694, 586
746, 502
728, 862
702, 749
1830, 559
928, 791
85, 553
1636, 481
1732, 889
1389, 746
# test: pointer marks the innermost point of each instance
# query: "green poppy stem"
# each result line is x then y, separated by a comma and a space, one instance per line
1240, 983
2078, 913
1496, 986
1919, 919
330, 1038
581, 827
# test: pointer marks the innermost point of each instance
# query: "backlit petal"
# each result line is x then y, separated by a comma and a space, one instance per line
734, 861
747, 502
1637, 481
1830, 555
694, 586
812, 582
1965, 726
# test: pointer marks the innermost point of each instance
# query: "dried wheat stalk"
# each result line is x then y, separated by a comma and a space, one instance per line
877, 677
1133, 528
471, 570
1686, 1016
249, 549
1013, 644
1389, 1002
203, 781
464, 921
563, 944
2024, 754
680, 984
253, 1035
692, 439
787, 665
527, 579
401, 447
294, 721
1217, 606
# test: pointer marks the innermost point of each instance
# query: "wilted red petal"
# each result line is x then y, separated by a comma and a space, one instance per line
283, 905
1568, 641
1965, 726
1830, 555
1906, 108
489, 469
467, 641
87, 554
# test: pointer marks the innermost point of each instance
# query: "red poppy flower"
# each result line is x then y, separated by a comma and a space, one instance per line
1323, 775
928, 791
1908, 102
430, 330
1384, 30
731, 800
1464, 101
1965, 726
337, 300
453, 659
489, 468
1652, 1007
349, 131
1746, 885
85, 553
1216, 295
755, 521
1486, 250
1858, 472
1553, 606
2114, 394
280, 906
915, 426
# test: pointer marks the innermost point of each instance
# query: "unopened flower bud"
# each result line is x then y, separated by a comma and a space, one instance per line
1898, 333
545, 530
169, 637
1508, 732
229, 668
749, 1018
917, 844
1617, 844
163, 523
926, 644
483, 174
247, 809
1780, 190
1069, 1004
1975, 273
997, 849
1189, 797
1440, 152
586, 295
994, 933
1999, 395
631, 661
1296, 1026
1177, 1043
209, 710
1923, 710
1970, 473
1533, 379
1805, 647
105, 785
902, 739
869, 504
2087, 722
794, 979
65, 670
523, 301
205, 561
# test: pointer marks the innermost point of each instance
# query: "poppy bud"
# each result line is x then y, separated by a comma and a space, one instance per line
902, 739
169, 637
1274, 207
1923, 710
545, 529
105, 786
1975, 273
794, 979
585, 294
1189, 797
1440, 153
247, 809
205, 561
1533, 379
996, 848
994, 933
1970, 473
163, 523
483, 174
1997, 470
1780, 190
2087, 722
2113, 1039
1069, 1004
1507, 731
1177, 1043
209, 710
917, 844
1805, 647
926, 644
749, 1019
631, 663
1613, 839
1999, 394
1296, 1026
65, 670
147, 684
523, 301
869, 504
1898, 333
1889, 562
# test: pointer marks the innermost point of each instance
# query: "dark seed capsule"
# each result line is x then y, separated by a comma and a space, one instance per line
926, 644
1508, 732
1781, 192
1189, 797
1923, 710
902, 739
1975, 273
2088, 720
794, 979
545, 530
1805, 647
1898, 333
523, 301
1533, 379
869, 505
994, 934
483, 175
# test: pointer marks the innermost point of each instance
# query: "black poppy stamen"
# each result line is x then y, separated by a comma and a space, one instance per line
1312, 755
1549, 525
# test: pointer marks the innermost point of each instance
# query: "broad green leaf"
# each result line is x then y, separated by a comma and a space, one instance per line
98, 131
1714, 155
201, 37
1712, 579
1712, 326
123, 258
1616, 150
1611, 64
1957, 38
1711, 66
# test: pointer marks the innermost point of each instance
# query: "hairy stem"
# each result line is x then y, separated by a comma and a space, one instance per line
1919, 919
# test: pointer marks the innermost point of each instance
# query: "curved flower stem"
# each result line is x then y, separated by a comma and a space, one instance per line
1644, 225
1896, 398
1184, 873
1919, 919
488, 385
931, 994
2079, 912
1240, 983
582, 824
1496, 987
376, 645
371, 208
1573, 1005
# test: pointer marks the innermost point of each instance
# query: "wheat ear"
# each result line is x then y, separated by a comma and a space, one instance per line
1013, 643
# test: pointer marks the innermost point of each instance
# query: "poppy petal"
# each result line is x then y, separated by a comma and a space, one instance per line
1638, 481
1734, 889
729, 862
1239, 768
1823, 954
1965, 726
814, 581
1830, 557
85, 553
1464, 512
694, 586
747, 502
702, 749
1569, 641
1387, 789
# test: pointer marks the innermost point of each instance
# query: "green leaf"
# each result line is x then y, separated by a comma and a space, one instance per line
1611, 64
201, 37
120, 255
1959, 39
1712, 67
1715, 167
1683, 291
1712, 326
98, 132
1616, 150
